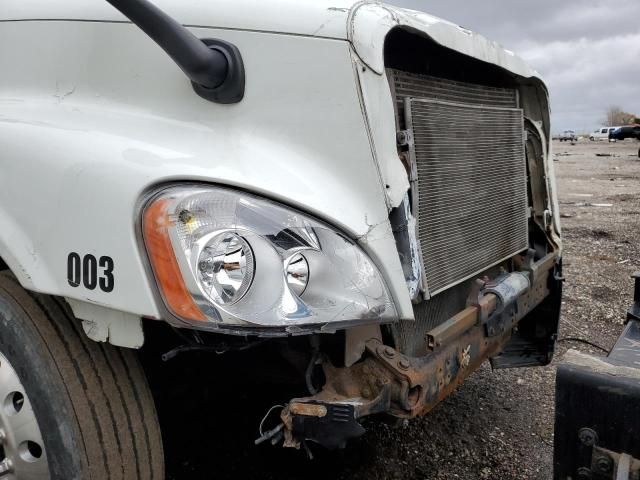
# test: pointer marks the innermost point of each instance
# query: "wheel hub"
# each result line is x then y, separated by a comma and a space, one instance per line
22, 452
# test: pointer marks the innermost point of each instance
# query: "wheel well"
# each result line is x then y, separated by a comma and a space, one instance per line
3, 265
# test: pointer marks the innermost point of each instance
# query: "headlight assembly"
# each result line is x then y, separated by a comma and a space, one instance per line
224, 258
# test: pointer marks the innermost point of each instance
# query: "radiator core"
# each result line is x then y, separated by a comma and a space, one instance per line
468, 148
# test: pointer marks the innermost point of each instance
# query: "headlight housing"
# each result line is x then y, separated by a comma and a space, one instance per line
224, 258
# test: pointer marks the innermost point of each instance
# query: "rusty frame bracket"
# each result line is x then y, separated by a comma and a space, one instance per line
387, 381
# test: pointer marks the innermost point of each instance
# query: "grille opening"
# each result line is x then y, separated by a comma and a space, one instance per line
416, 53
470, 197
471, 194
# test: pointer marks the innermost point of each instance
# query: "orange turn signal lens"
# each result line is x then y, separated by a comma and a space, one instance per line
156, 225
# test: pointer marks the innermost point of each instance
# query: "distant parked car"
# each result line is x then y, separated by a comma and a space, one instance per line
622, 133
601, 134
567, 136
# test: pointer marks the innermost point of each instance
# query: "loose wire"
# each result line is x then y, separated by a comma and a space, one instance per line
586, 342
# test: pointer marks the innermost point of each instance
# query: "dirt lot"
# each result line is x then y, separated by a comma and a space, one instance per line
498, 425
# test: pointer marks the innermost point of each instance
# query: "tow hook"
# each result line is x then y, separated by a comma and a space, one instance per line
329, 425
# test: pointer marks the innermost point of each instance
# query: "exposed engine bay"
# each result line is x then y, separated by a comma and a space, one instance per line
475, 239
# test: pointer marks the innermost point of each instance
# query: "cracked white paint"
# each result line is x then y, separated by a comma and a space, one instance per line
369, 24
103, 324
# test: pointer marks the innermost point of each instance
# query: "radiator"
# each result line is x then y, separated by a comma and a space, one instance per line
468, 147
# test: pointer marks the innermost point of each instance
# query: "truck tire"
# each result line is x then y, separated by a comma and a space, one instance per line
87, 406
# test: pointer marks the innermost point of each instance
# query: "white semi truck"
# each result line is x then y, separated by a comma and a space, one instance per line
361, 190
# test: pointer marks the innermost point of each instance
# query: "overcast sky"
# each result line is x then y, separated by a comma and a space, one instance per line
588, 51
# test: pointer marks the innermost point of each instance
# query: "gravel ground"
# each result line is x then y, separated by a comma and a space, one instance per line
498, 425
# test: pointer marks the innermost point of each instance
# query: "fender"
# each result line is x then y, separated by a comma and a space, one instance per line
85, 137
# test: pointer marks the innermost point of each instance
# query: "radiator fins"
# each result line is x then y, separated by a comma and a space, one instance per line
471, 201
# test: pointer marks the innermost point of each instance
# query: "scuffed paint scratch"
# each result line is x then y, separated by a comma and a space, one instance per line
62, 96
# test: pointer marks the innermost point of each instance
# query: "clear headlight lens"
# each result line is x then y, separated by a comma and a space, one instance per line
297, 271
224, 258
225, 268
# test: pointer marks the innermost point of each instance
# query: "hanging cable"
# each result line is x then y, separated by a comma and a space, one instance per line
586, 342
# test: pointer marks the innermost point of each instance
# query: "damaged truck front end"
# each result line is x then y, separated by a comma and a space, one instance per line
361, 190
510, 320
474, 217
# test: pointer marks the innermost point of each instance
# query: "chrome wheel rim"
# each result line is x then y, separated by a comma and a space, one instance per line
22, 453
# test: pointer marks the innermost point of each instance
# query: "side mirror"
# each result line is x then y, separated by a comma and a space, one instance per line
214, 66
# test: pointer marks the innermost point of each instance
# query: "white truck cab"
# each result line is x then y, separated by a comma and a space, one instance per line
267, 175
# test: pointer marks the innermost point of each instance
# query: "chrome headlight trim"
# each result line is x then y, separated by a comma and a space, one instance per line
337, 286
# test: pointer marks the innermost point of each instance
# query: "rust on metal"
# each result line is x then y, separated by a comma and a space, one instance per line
308, 409
386, 380
459, 323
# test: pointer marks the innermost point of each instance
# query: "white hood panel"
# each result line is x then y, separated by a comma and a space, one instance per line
364, 23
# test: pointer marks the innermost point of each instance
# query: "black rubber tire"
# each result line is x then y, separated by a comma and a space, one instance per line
91, 400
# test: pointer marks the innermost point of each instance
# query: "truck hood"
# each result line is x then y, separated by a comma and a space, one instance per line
364, 23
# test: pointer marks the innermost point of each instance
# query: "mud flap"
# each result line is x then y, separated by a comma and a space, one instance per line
598, 410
